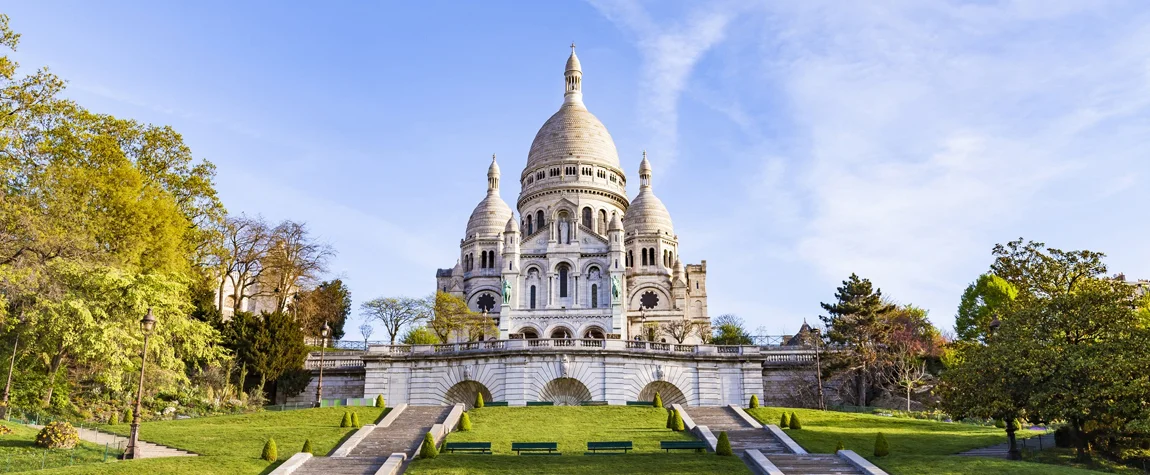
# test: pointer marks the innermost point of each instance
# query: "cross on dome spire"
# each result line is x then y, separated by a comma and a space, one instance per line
645, 172
493, 176
573, 78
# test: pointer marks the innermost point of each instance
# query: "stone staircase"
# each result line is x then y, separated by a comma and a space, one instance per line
812, 464
741, 434
404, 435
743, 437
1044, 441
147, 449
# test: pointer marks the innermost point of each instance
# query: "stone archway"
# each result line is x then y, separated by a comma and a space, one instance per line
565, 392
465, 392
669, 393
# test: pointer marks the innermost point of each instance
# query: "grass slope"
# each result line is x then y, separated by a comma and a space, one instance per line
572, 428
18, 451
916, 446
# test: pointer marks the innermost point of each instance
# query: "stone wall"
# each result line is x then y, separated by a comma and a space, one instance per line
339, 384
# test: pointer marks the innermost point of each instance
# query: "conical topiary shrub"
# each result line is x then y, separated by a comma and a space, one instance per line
355, 420
306, 446
679, 422
127, 416
881, 448
795, 424
723, 447
671, 419
428, 450
114, 419
840, 446
658, 401
270, 454
379, 402
784, 422
346, 421
754, 401
465, 422
478, 400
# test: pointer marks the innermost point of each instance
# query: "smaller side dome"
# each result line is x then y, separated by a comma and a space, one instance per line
615, 224
492, 213
512, 226
647, 214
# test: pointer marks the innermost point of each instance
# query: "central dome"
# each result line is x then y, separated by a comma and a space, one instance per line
573, 133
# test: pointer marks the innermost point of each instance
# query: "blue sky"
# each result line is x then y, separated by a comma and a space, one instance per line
793, 142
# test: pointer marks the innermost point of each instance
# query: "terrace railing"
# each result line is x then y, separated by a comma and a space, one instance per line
567, 344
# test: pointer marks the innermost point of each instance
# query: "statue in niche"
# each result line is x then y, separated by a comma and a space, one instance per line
564, 232
658, 372
506, 292
564, 367
467, 372
614, 289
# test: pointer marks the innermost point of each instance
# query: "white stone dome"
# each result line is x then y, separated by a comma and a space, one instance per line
647, 214
492, 214
573, 133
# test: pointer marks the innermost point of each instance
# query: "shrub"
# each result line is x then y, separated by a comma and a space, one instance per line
465, 422
270, 454
57, 435
355, 420
999, 423
479, 400
881, 448
4, 430
679, 422
784, 422
306, 446
127, 416
1016, 425
346, 421
724, 445
840, 446
795, 424
754, 401
658, 401
671, 419
428, 450
379, 402
114, 419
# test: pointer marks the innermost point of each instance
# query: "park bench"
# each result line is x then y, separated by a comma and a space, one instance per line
535, 448
495, 404
640, 403
470, 447
540, 403
607, 448
696, 445
593, 403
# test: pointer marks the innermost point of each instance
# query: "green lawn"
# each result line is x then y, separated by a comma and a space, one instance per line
572, 428
18, 452
916, 446
231, 445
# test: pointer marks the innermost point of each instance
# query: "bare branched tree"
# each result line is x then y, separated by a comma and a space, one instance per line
366, 330
906, 370
395, 313
294, 260
680, 329
245, 246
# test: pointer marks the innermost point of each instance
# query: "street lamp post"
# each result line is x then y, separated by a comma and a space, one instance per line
819, 369
11, 367
323, 332
133, 450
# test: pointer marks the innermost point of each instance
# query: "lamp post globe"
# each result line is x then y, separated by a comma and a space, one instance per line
147, 326
323, 333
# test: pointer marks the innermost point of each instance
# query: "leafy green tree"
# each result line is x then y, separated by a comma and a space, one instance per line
449, 315
987, 298
857, 321
396, 313
419, 336
268, 345
729, 330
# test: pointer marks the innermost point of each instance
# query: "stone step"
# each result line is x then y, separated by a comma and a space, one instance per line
717, 418
812, 464
341, 466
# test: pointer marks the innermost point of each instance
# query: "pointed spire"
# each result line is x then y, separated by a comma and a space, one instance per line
573, 79
644, 172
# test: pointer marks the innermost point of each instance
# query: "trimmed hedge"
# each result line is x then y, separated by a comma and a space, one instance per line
380, 402
671, 419
795, 424
784, 421
881, 448
428, 450
355, 420
307, 447
724, 445
479, 400
840, 447
679, 427
658, 401
346, 421
465, 422
270, 453
754, 401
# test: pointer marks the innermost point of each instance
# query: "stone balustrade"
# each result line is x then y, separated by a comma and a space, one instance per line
564, 344
335, 359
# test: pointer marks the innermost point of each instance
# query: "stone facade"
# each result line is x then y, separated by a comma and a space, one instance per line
582, 260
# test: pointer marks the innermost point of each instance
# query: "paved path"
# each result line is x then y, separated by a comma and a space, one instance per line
147, 449
744, 437
404, 435
1044, 441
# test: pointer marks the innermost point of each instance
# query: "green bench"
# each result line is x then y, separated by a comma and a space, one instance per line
593, 403
640, 403
535, 448
607, 448
495, 404
540, 403
470, 447
696, 445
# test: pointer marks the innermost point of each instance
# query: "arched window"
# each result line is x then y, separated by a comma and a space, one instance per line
630, 258
532, 296
587, 218
529, 228
594, 296
651, 251
563, 271
539, 219
602, 222
483, 260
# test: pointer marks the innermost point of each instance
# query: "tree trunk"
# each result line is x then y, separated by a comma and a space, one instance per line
908, 398
1013, 453
862, 387
1081, 445
53, 368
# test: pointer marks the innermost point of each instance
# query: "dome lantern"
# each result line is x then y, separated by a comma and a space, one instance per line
573, 79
